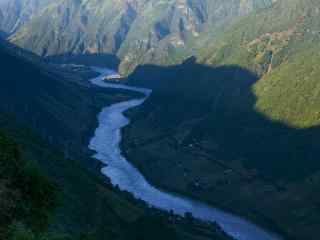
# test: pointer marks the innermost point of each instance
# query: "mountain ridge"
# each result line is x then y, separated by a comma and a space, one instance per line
137, 31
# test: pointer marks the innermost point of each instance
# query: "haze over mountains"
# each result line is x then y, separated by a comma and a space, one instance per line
234, 115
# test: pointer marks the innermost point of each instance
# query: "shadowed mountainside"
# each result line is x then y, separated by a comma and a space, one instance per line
46, 192
50, 102
200, 134
98, 59
2, 34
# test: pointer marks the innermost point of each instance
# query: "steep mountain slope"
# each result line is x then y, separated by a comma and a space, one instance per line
58, 95
243, 132
49, 103
17, 12
38, 108
214, 145
278, 41
252, 41
137, 31
173, 29
38, 184
43, 185
243, 135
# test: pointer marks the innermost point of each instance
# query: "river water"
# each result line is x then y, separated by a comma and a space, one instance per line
106, 144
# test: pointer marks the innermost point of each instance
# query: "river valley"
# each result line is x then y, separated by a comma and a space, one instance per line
106, 144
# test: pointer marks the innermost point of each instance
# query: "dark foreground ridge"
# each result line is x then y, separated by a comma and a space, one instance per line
46, 189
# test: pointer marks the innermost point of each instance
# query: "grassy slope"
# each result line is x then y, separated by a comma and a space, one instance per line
283, 39
295, 85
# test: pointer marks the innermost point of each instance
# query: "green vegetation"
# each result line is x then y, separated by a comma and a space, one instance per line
295, 85
79, 205
144, 31
280, 44
238, 129
222, 146
47, 189
60, 107
27, 196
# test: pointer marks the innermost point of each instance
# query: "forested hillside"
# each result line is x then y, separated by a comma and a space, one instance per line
236, 126
47, 192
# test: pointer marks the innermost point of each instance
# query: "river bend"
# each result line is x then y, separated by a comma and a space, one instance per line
106, 144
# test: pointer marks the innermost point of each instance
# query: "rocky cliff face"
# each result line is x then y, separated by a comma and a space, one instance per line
174, 33
77, 27
17, 12
138, 31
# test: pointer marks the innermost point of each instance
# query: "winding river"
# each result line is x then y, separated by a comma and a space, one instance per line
106, 142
